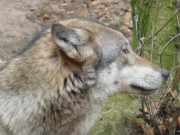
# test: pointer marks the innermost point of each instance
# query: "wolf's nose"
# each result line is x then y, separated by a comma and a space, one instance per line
165, 74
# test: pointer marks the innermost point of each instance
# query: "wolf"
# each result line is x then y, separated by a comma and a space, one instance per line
59, 84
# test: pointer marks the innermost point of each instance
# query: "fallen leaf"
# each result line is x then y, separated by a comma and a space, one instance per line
162, 128
148, 130
46, 17
178, 121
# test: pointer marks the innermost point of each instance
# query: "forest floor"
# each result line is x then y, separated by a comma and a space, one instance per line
22, 19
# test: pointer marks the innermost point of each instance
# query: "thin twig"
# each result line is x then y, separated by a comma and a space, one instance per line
107, 111
168, 43
142, 106
152, 51
174, 62
148, 107
176, 81
136, 19
160, 54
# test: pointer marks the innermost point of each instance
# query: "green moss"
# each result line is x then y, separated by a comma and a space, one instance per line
46, 11
107, 130
115, 119
116, 24
157, 12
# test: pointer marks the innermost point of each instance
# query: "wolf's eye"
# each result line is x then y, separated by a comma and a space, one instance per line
125, 51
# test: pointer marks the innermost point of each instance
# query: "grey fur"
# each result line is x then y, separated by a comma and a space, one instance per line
59, 86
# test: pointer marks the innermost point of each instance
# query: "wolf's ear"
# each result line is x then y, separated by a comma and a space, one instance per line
68, 39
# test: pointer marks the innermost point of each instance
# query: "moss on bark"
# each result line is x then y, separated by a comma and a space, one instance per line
157, 12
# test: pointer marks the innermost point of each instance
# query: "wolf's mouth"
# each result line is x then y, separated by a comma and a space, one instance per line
144, 90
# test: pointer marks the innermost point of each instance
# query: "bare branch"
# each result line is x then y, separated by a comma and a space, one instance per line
136, 18
152, 51
168, 43
107, 111
160, 54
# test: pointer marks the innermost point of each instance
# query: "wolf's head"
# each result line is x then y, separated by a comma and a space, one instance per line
105, 59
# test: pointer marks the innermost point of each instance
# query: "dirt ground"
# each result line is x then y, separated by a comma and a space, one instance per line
20, 20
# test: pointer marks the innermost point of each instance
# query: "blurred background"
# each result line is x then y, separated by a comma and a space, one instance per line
151, 26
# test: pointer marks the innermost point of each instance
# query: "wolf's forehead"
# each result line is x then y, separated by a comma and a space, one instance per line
94, 27
91, 26
108, 40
